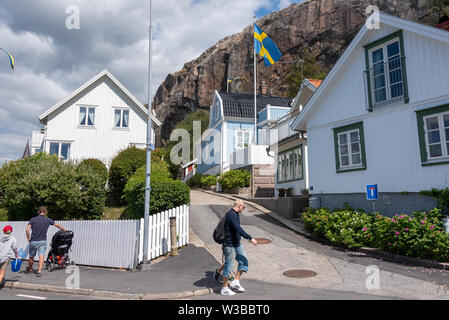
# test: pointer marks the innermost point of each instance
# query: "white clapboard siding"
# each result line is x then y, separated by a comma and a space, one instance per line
159, 232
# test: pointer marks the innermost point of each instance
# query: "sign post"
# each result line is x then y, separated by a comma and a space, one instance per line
372, 194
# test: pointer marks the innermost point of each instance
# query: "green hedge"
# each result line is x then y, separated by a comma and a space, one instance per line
123, 166
208, 181
419, 235
235, 179
97, 165
195, 181
43, 180
165, 193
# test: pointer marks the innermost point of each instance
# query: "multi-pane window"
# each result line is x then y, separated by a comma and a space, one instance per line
121, 118
386, 72
290, 165
61, 149
436, 129
242, 138
386, 76
87, 116
350, 148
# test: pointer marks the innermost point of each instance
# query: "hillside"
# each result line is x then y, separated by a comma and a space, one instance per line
324, 27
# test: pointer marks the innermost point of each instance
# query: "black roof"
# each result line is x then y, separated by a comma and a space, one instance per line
240, 105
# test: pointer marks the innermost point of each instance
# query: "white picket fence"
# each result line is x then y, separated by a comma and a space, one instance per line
116, 244
159, 232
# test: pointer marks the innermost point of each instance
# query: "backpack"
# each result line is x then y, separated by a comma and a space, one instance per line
219, 232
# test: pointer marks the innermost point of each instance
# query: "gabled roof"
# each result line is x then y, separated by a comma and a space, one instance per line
239, 105
385, 19
104, 73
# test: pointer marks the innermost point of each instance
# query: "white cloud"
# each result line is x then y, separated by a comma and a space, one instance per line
52, 61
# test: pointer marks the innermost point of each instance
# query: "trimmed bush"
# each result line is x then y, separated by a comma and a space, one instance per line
123, 166
235, 179
195, 181
97, 165
165, 194
43, 180
208, 181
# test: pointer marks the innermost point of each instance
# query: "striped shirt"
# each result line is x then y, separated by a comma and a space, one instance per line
39, 227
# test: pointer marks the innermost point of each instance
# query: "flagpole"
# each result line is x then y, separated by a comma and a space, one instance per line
255, 88
146, 261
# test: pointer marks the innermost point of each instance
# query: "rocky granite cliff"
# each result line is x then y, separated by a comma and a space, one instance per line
325, 27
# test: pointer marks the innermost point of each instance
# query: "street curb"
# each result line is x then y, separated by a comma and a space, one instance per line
373, 252
108, 294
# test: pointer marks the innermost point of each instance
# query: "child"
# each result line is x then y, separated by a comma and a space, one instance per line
7, 243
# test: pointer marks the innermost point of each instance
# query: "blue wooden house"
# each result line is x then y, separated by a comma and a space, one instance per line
231, 130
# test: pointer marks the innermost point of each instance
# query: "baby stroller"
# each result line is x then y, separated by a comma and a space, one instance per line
59, 250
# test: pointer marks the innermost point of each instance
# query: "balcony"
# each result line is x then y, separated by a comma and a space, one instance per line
386, 83
251, 155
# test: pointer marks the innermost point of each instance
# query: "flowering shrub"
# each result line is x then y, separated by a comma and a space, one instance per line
419, 235
349, 228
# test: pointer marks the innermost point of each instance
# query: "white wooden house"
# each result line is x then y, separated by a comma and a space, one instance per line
290, 147
98, 120
381, 117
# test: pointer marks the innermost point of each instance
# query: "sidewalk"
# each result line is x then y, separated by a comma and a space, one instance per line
176, 277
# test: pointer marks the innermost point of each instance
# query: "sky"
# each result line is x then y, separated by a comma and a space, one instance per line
54, 55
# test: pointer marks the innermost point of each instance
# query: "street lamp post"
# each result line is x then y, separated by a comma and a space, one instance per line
146, 261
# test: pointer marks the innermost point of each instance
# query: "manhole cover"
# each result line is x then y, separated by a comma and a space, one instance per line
300, 274
263, 241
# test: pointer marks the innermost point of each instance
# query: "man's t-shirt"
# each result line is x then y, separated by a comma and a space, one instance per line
39, 227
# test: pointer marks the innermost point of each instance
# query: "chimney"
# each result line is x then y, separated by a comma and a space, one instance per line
263, 88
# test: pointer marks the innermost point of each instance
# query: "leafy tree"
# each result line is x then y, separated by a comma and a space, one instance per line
311, 69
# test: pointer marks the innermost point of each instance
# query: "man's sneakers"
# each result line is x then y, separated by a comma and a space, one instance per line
225, 291
236, 286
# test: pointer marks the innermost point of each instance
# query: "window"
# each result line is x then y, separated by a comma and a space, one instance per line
87, 116
290, 165
350, 148
60, 149
386, 71
242, 138
121, 118
433, 127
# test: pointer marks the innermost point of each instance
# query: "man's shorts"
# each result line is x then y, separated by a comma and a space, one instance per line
37, 247
4, 265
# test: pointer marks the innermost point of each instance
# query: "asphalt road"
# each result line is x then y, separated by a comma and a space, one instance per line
399, 280
28, 295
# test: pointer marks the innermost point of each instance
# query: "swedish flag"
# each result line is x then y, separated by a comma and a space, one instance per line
265, 47
11, 59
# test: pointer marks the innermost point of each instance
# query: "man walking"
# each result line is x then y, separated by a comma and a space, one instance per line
38, 239
7, 243
232, 249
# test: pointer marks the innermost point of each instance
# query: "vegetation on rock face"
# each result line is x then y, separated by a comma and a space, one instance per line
43, 180
311, 69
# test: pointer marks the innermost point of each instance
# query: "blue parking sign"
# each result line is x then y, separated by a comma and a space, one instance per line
372, 192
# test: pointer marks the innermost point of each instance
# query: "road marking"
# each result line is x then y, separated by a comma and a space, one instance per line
31, 297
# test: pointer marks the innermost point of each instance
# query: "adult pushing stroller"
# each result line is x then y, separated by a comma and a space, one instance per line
59, 250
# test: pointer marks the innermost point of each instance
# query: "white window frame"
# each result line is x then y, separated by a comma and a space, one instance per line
242, 133
121, 118
350, 153
60, 143
384, 47
442, 130
88, 108
290, 165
